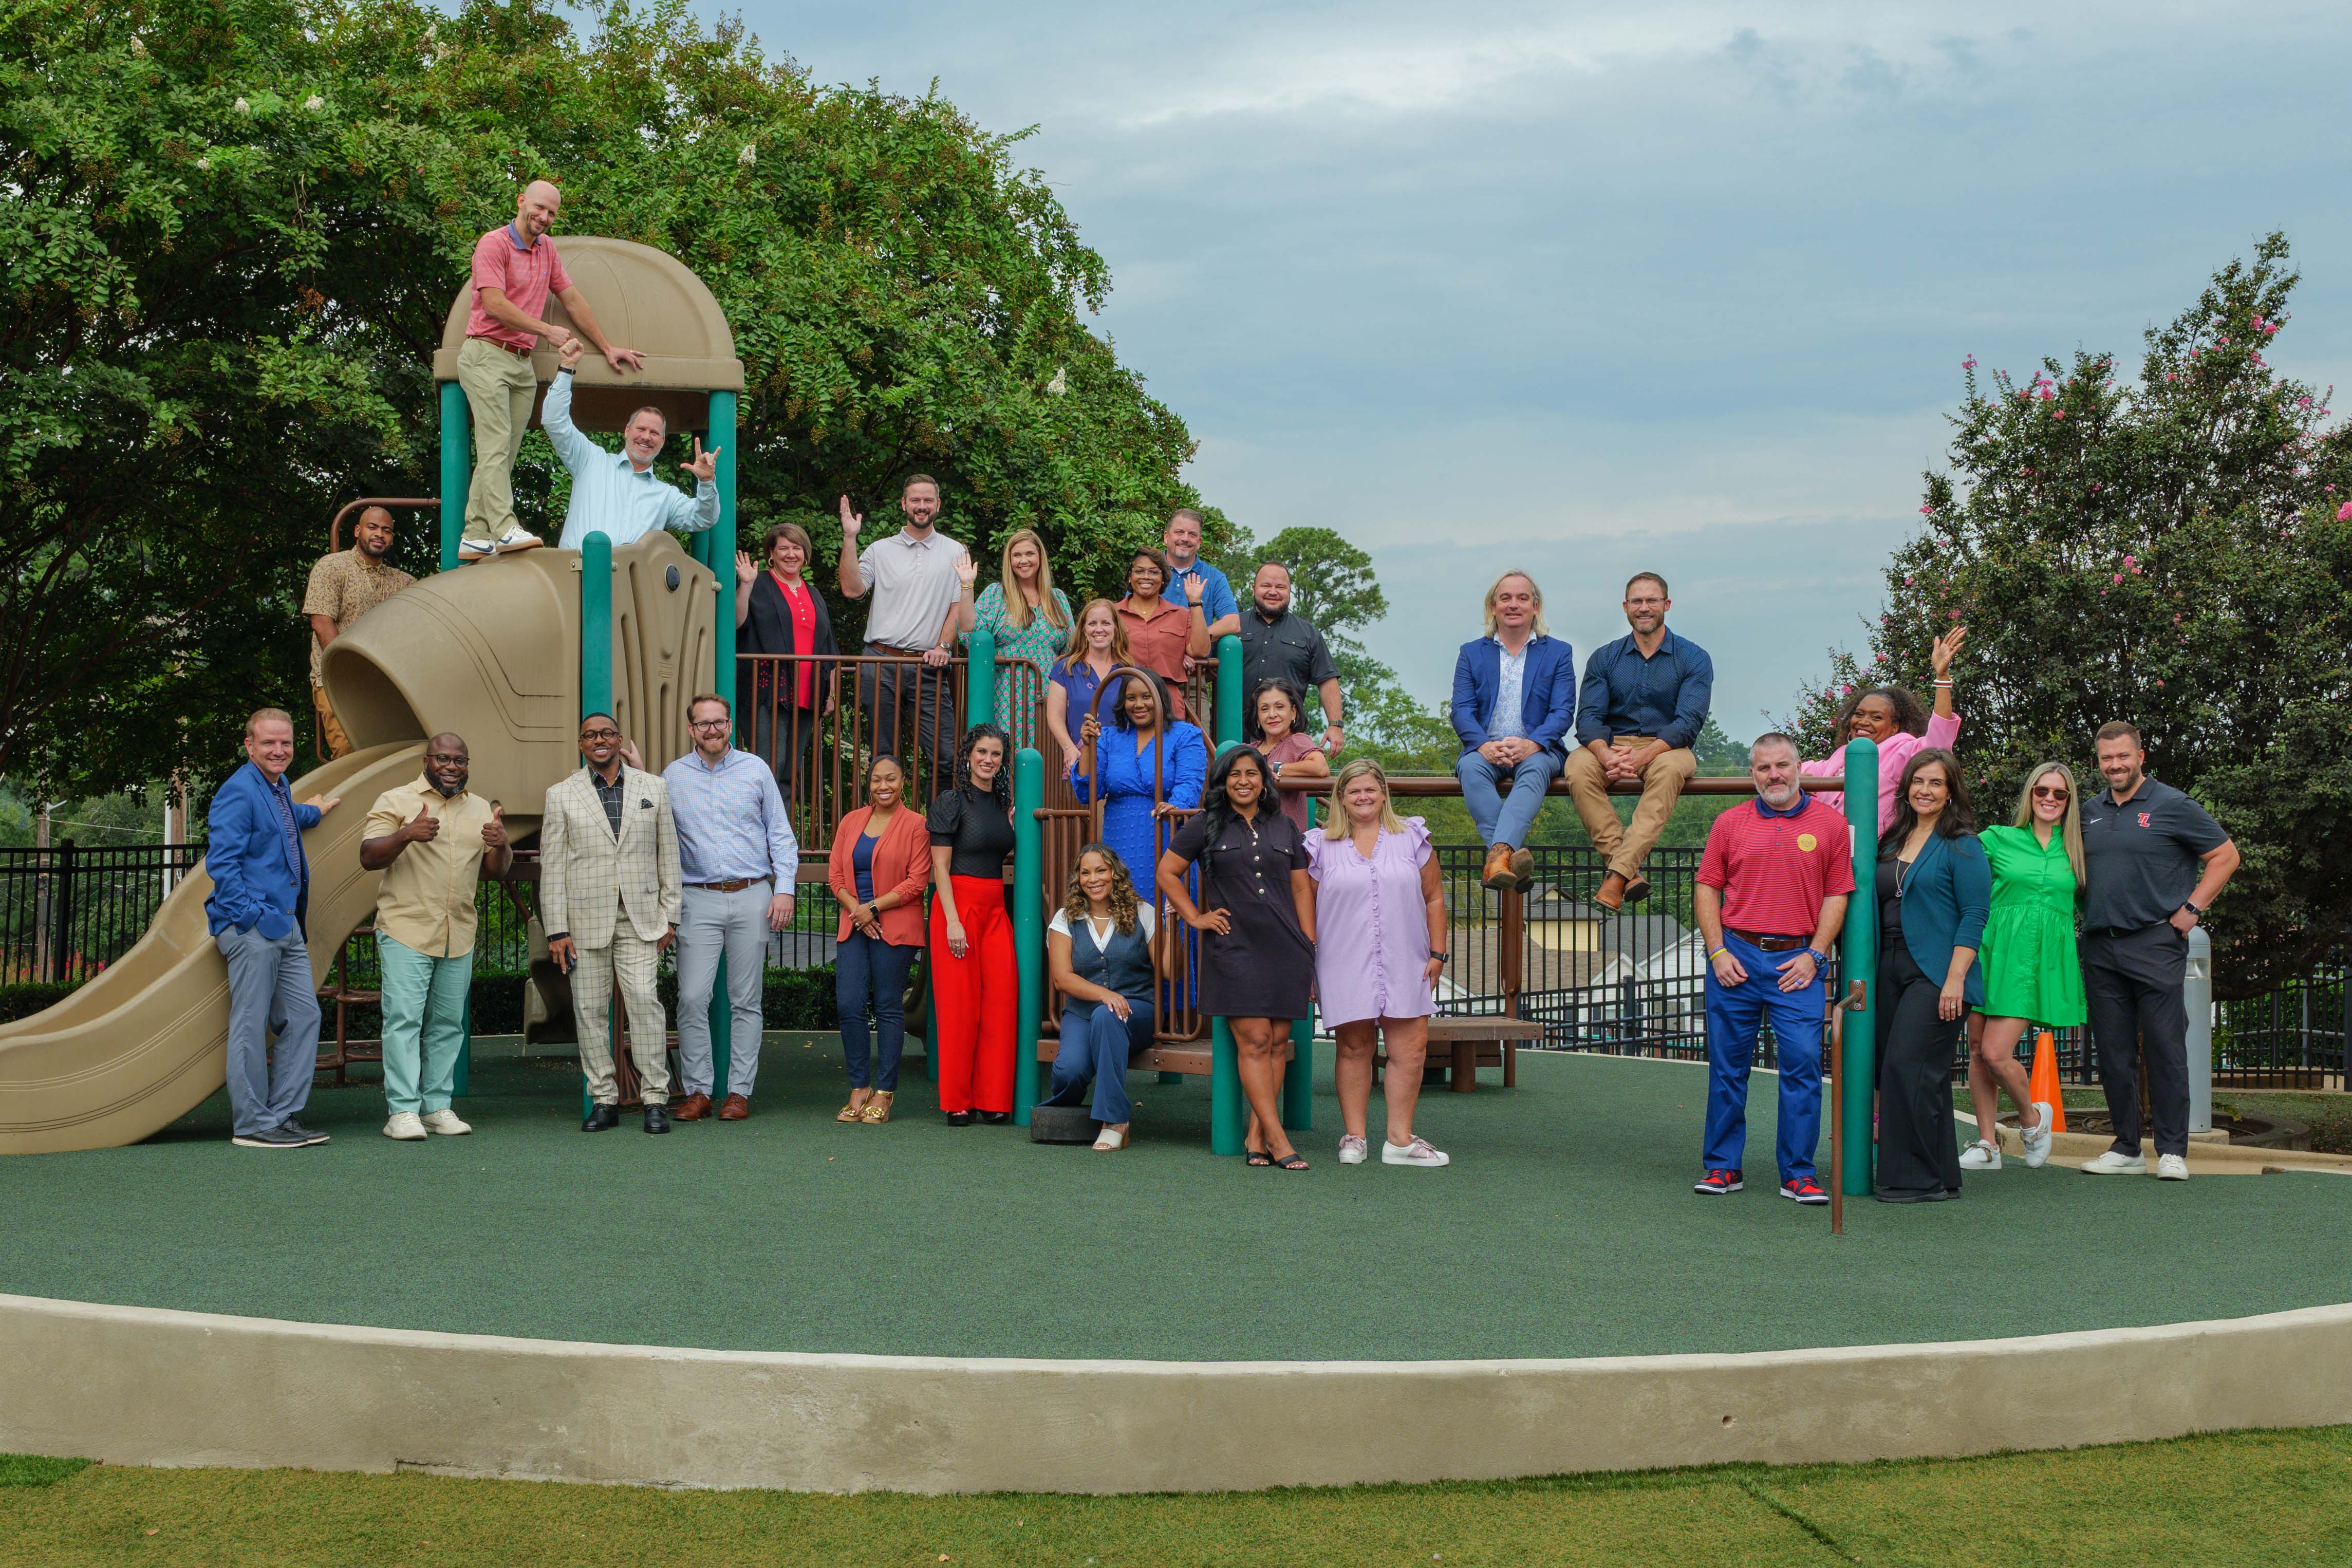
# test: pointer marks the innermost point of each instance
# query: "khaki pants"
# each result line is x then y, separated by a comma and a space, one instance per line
499, 388
330, 729
631, 959
1623, 848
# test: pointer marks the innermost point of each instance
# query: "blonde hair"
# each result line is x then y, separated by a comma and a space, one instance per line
1338, 825
1122, 901
1076, 649
1017, 608
2071, 827
1536, 627
268, 716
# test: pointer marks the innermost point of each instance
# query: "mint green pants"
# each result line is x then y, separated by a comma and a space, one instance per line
423, 1024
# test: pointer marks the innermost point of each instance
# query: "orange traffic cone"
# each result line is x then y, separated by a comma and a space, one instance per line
2044, 1082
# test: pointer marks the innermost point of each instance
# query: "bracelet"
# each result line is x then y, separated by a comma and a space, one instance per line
1946, 682
1718, 953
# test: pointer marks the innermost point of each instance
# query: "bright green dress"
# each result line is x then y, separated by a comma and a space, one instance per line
2031, 968
1020, 693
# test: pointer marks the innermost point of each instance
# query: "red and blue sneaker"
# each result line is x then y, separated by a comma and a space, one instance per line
1717, 1183
1804, 1190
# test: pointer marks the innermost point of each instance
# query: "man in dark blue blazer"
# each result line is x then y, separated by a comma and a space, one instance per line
1514, 705
261, 893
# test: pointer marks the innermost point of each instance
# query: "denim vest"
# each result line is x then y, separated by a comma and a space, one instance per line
1125, 966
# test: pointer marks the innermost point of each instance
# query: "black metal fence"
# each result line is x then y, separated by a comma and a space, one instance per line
66, 912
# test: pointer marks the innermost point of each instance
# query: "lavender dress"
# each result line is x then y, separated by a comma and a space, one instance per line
1371, 931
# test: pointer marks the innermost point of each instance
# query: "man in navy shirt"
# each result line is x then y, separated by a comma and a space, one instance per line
2154, 861
1643, 704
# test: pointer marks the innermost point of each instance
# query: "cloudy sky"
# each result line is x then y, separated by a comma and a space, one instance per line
1587, 289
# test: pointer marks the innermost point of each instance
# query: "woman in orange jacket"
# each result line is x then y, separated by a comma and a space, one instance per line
881, 860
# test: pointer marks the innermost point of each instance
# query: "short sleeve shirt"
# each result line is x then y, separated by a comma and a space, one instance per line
976, 831
343, 587
913, 583
425, 901
2140, 858
1244, 865
1776, 868
527, 275
1158, 644
1287, 648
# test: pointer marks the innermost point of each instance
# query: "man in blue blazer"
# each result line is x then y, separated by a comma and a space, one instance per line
261, 893
1514, 705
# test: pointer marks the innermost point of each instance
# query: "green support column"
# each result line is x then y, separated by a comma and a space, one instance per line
1859, 952
595, 676
1228, 716
457, 469
1228, 1116
980, 682
714, 548
1298, 1079
1028, 916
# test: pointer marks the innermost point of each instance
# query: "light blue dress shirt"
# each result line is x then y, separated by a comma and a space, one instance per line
608, 494
731, 821
1508, 719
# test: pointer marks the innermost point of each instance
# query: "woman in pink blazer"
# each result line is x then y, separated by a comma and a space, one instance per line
1902, 728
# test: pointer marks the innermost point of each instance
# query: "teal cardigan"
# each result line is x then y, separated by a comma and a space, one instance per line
1946, 900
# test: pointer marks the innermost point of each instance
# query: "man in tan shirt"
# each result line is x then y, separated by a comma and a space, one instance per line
343, 587
432, 839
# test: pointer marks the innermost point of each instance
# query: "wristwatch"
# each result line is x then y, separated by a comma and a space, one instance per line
2190, 905
1821, 960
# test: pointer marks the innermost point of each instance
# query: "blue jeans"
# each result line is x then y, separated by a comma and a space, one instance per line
1504, 821
1734, 1014
423, 1024
1096, 1044
867, 968
271, 992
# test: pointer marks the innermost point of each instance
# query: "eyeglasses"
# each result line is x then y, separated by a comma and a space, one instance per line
2051, 792
600, 734
709, 723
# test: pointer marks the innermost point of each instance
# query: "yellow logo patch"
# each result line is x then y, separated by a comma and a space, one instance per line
1808, 843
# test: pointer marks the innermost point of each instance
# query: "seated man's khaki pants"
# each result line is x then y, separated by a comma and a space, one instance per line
1624, 847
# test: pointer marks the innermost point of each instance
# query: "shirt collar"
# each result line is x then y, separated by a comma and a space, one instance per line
2140, 792
597, 779
1763, 809
911, 543
424, 787
514, 236
1506, 653
726, 759
1273, 620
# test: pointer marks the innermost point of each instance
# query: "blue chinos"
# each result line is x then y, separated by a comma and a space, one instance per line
1734, 1015
1096, 1044
1498, 820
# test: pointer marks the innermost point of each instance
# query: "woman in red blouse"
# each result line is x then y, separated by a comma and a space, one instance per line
777, 612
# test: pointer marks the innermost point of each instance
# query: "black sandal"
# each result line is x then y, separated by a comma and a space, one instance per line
1297, 1161
1256, 1157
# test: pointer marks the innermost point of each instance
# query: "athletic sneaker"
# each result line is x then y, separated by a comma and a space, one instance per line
1980, 1155
517, 538
2037, 1141
1417, 1152
2112, 1163
1804, 1190
272, 1137
1352, 1150
2172, 1168
445, 1123
476, 550
1717, 1184
304, 1134
406, 1127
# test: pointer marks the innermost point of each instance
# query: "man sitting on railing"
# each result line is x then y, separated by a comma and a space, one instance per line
1514, 702
917, 593
1644, 703
344, 587
620, 497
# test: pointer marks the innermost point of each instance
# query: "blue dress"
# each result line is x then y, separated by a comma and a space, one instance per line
1123, 776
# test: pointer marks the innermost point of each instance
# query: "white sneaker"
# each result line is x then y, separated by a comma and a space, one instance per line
1980, 1155
1352, 1150
2172, 1168
2037, 1139
517, 538
2114, 1164
1417, 1152
404, 1126
445, 1123
475, 550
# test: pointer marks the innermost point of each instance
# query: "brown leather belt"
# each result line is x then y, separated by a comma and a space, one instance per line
732, 885
1765, 943
519, 354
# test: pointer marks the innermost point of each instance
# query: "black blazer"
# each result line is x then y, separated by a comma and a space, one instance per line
768, 628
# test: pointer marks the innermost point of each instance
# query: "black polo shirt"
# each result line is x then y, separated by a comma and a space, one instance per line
2141, 855
1287, 647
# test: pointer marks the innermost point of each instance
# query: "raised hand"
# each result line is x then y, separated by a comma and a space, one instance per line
705, 466
421, 828
1194, 587
1948, 647
745, 572
494, 831
623, 359
850, 521
967, 571
570, 354
629, 754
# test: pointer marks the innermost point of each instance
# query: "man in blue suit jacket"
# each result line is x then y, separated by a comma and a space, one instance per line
261, 893
1514, 705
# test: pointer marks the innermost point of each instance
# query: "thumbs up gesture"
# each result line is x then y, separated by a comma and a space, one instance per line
494, 831
423, 827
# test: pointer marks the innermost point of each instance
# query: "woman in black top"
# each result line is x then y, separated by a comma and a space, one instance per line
1257, 920
975, 982
775, 614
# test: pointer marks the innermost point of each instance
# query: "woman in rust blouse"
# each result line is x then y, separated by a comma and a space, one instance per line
881, 860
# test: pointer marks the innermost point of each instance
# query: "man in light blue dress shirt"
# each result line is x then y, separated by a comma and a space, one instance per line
739, 862
617, 493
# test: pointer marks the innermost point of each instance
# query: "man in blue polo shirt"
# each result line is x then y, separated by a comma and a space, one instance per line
1643, 704
2154, 861
1181, 545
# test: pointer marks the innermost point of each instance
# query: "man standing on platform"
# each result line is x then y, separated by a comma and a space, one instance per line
917, 590
1644, 703
740, 862
1772, 891
344, 587
261, 896
1514, 700
514, 268
432, 838
608, 894
618, 494
1180, 545
1277, 644
2154, 861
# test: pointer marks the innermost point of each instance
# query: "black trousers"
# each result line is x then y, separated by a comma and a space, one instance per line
1919, 1143
785, 737
895, 694
2132, 984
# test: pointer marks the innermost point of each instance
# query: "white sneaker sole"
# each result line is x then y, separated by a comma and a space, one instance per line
1387, 1158
417, 1137
521, 545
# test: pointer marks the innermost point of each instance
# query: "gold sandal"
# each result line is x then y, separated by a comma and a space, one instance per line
848, 1113
877, 1110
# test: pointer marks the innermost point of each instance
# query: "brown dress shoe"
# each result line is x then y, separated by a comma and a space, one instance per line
1497, 873
735, 1109
1610, 894
693, 1108
1637, 889
1522, 870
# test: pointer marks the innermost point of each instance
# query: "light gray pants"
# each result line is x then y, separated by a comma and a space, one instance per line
710, 924
271, 992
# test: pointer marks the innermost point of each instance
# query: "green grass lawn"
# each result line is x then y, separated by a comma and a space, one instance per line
2254, 1497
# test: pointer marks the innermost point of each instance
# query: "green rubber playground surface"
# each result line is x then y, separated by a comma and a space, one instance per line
1566, 1226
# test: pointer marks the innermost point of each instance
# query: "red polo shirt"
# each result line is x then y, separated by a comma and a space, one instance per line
1774, 869
527, 273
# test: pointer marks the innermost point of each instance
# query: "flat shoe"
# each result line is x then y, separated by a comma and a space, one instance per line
1257, 1157
1295, 1161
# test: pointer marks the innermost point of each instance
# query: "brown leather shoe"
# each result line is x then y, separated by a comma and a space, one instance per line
1610, 894
693, 1108
735, 1109
1637, 888
1522, 870
1497, 873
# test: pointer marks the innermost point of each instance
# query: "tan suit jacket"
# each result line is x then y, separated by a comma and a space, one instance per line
586, 877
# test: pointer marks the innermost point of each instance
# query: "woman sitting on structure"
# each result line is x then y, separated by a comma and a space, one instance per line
1102, 950
1894, 718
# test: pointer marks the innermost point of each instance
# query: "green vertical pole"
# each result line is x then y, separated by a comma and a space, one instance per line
1228, 1118
595, 679
1228, 716
1028, 913
1860, 953
457, 469
980, 680
714, 548
1298, 1079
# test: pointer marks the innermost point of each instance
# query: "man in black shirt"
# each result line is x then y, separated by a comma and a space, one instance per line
2154, 861
1276, 643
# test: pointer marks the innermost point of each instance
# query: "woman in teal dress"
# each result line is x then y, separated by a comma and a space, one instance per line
2032, 974
1030, 619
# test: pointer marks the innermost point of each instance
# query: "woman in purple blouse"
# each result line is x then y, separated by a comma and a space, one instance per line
1380, 942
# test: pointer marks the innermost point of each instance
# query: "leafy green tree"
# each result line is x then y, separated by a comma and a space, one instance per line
2176, 551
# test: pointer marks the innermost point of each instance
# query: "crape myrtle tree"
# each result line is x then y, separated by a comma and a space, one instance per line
2174, 550
232, 233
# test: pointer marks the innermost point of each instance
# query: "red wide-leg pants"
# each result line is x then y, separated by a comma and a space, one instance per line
973, 1025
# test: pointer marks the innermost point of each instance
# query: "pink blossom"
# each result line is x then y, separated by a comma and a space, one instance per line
1928, 510
2119, 576
2160, 683
2194, 353
2169, 376
1969, 363
2057, 414
1908, 580
2270, 329
2132, 561
1846, 691
2303, 403
2343, 512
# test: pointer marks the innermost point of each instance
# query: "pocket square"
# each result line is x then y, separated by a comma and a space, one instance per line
645, 805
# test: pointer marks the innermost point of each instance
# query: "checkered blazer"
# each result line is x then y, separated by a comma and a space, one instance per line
585, 877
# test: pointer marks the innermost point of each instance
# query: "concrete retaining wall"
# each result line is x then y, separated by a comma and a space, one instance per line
133, 1386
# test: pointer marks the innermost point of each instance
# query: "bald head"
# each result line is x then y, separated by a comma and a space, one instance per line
535, 209
372, 535
447, 766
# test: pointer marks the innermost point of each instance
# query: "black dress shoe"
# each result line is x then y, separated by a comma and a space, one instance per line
656, 1118
959, 1117
602, 1119
994, 1117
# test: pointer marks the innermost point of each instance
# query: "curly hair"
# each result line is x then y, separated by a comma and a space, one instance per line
1910, 713
1001, 787
1123, 899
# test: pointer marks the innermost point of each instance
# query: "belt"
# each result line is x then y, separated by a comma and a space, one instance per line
732, 885
1767, 943
519, 354
2124, 931
910, 652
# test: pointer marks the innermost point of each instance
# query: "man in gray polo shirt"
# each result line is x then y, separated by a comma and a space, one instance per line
2154, 861
914, 578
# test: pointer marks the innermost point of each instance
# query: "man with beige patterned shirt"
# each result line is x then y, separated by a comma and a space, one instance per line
609, 896
344, 587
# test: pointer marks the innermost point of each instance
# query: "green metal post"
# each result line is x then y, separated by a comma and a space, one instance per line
1228, 1118
457, 469
979, 681
595, 677
1228, 716
1860, 952
1298, 1079
714, 548
1028, 914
